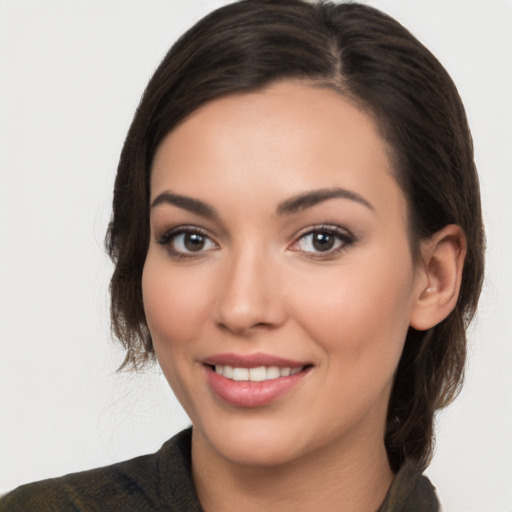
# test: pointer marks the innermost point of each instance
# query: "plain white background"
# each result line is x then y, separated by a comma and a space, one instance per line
71, 75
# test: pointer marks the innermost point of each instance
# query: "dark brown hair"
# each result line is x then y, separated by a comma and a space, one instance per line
370, 58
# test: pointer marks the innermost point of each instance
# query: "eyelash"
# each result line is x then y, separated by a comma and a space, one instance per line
171, 235
343, 236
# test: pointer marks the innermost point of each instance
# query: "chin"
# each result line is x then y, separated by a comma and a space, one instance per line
260, 442
258, 452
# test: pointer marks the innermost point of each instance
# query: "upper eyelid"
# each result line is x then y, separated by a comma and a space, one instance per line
178, 230
335, 230
192, 228
160, 225
168, 238
183, 228
331, 228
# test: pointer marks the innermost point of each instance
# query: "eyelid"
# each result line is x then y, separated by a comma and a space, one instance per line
168, 234
346, 237
171, 234
343, 234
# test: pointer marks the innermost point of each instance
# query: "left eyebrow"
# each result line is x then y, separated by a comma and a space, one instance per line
309, 199
187, 203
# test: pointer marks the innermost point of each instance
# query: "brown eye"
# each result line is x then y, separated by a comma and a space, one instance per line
328, 240
187, 241
323, 241
193, 241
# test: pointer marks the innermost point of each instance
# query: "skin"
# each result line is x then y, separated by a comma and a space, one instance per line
258, 285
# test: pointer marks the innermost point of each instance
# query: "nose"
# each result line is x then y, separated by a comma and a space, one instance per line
250, 298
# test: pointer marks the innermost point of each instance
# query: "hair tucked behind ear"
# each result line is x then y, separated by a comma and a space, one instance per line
371, 59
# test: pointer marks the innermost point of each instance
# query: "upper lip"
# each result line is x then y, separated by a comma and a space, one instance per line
251, 360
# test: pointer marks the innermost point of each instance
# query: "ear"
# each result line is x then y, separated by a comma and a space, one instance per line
439, 277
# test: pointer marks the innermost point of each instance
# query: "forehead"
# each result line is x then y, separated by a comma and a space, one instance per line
286, 138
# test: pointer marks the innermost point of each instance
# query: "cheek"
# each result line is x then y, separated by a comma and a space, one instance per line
360, 311
176, 308
174, 304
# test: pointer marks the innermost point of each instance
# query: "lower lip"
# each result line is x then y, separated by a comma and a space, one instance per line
251, 394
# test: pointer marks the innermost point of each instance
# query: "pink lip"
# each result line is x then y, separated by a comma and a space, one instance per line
252, 360
246, 393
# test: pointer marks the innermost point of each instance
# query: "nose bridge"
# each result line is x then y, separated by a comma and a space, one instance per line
249, 296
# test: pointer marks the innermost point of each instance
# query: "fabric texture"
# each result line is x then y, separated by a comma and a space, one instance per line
163, 482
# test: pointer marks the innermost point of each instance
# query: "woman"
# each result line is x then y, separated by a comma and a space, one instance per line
298, 240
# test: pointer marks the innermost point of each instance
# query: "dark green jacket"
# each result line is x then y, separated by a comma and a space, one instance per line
163, 482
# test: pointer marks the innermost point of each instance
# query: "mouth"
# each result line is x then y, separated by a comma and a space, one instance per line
251, 381
257, 373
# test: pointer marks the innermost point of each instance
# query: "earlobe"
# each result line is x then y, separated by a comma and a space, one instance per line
439, 278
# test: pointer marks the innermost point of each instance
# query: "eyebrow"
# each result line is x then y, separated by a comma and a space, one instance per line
187, 203
309, 199
292, 205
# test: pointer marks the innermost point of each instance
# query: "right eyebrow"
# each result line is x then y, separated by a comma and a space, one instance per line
187, 203
314, 197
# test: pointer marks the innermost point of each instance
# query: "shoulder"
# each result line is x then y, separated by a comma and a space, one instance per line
410, 492
160, 481
95, 489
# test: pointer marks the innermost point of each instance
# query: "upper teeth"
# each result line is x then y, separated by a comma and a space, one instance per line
257, 374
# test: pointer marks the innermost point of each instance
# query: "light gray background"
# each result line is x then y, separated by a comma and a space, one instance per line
71, 74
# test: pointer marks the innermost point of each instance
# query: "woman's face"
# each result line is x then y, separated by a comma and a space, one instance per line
279, 284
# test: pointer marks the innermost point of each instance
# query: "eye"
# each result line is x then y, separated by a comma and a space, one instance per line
326, 240
187, 241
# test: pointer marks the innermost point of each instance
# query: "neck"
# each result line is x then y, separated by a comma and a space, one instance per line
348, 475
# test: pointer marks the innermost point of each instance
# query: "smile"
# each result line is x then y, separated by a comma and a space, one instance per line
254, 380
256, 374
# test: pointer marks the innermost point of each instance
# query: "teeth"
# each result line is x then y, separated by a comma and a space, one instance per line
273, 372
257, 374
240, 373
